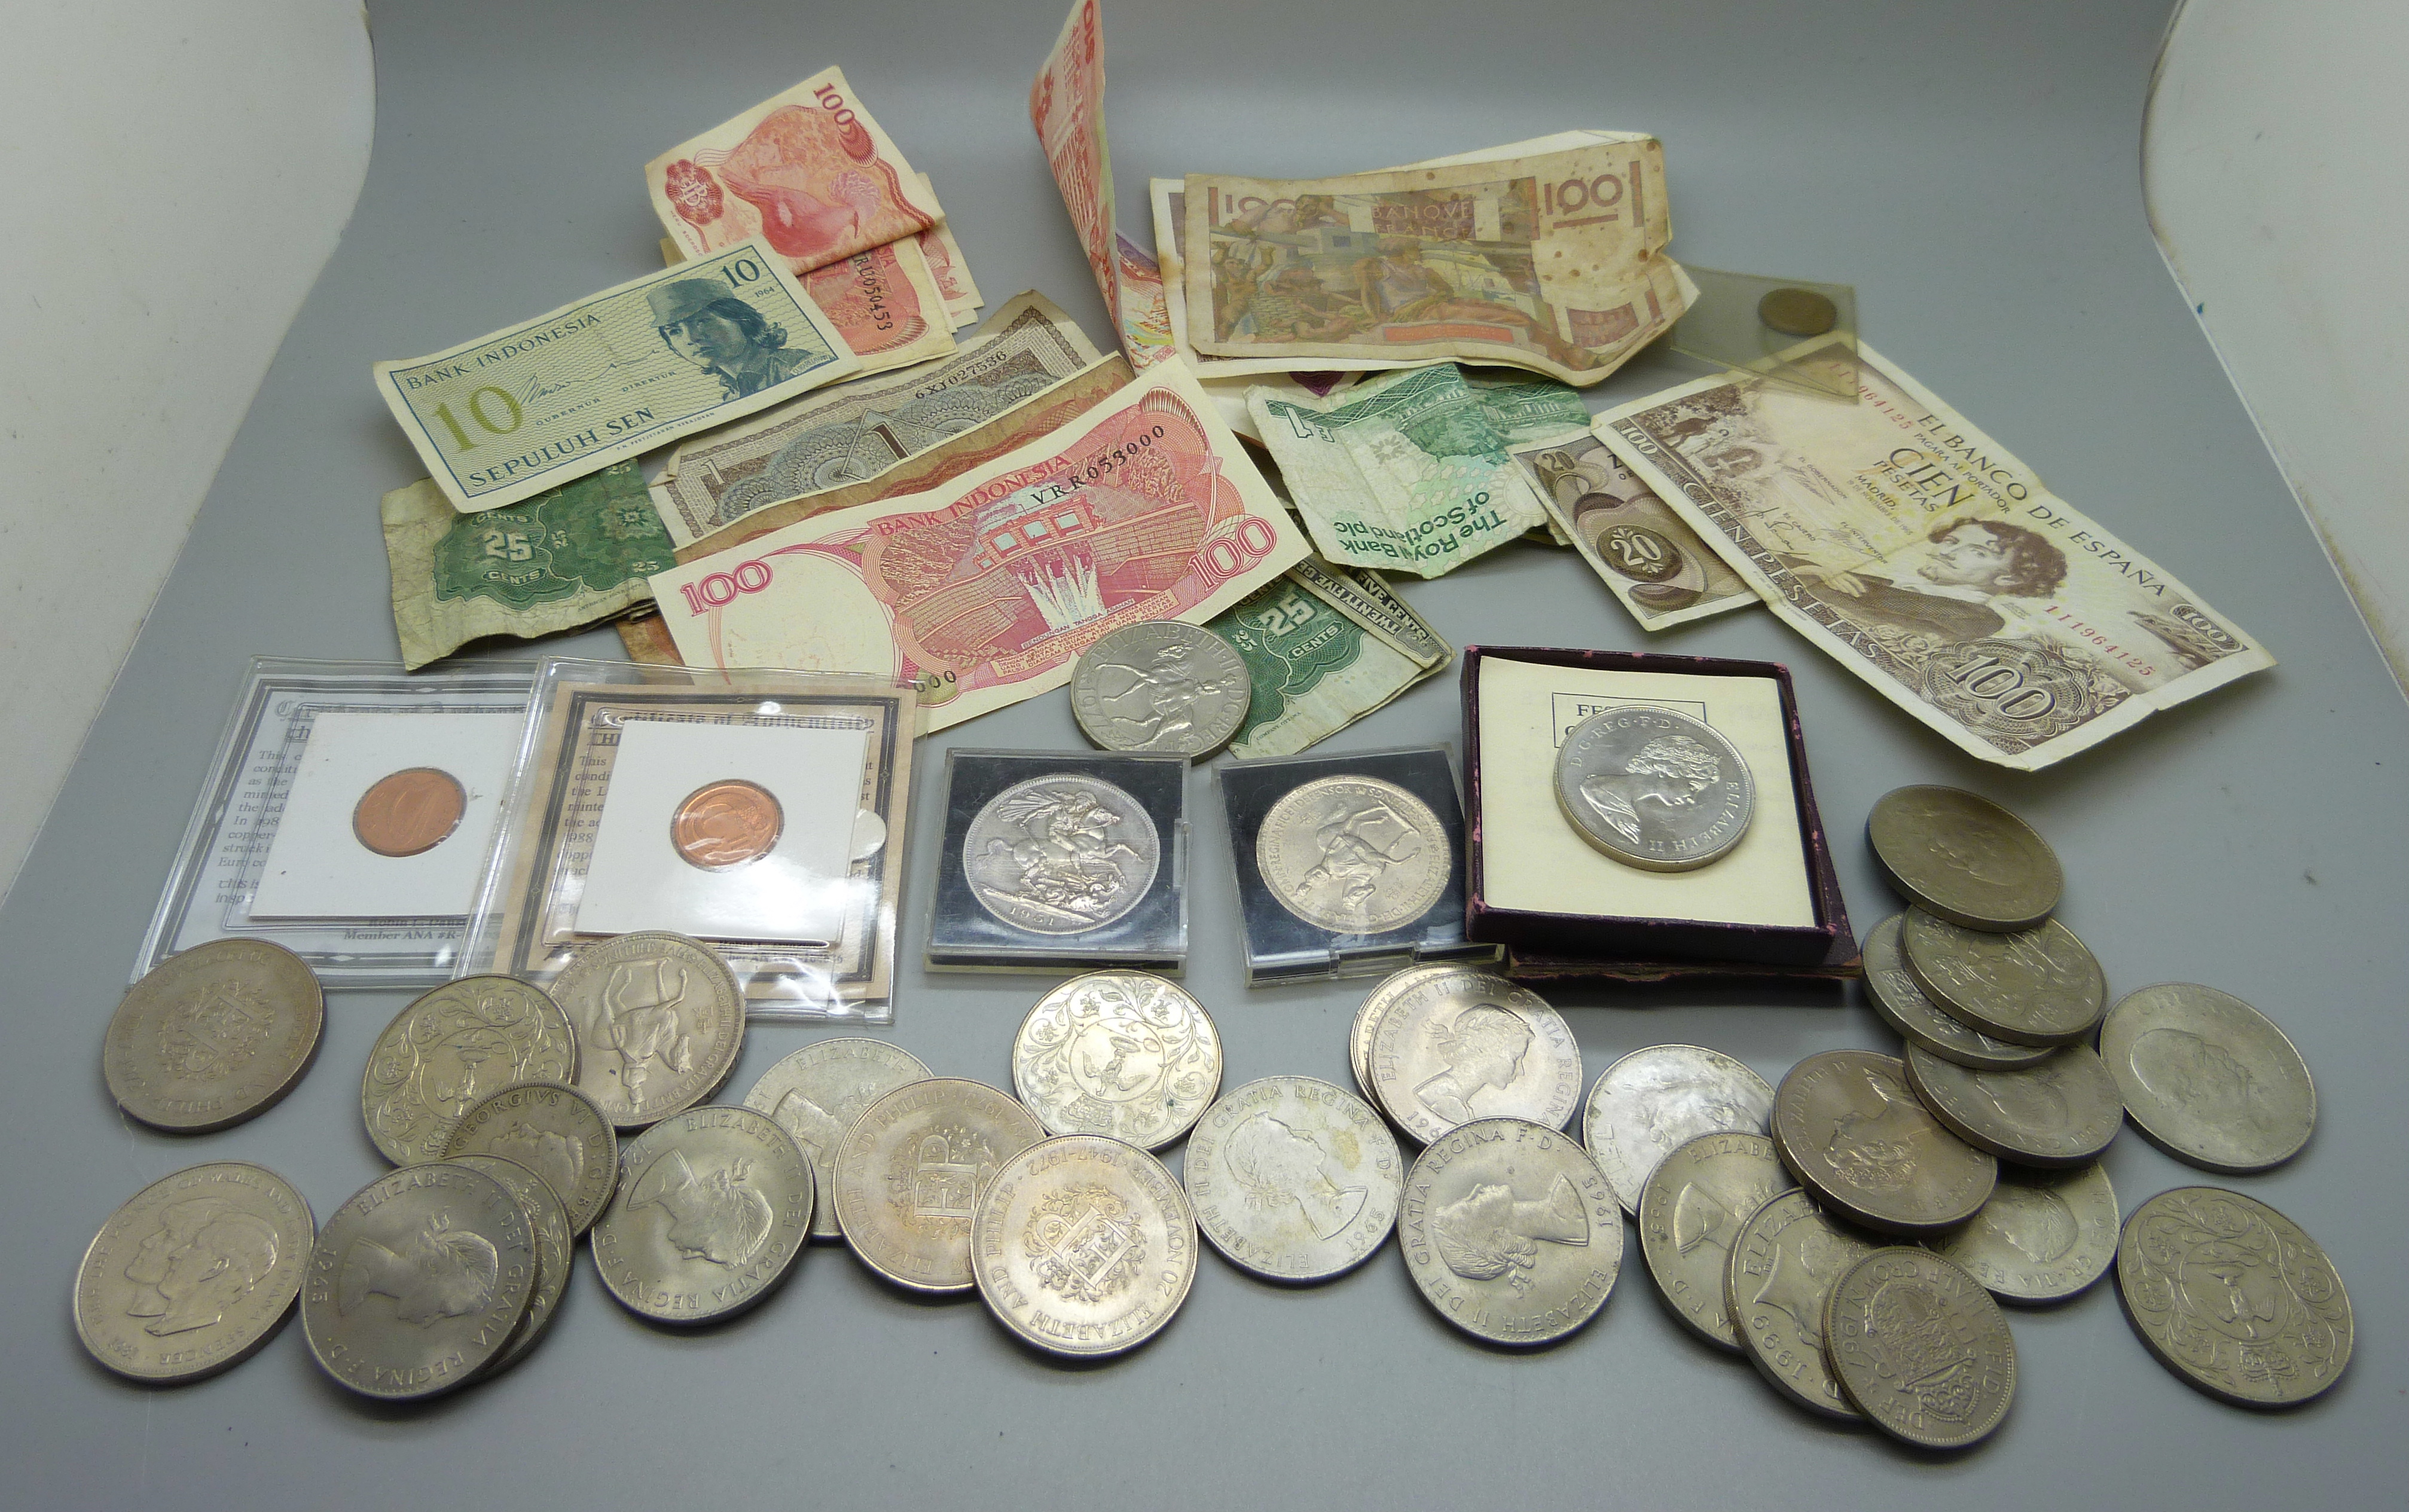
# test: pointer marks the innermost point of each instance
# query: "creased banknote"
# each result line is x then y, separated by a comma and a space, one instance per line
1410, 471
530, 407
984, 591
887, 303
1229, 393
859, 429
949, 268
1066, 104
561, 561
1647, 554
809, 171
1930, 562
1552, 262
1323, 647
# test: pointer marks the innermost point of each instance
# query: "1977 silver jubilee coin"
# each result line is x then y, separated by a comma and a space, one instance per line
1293, 1178
1353, 855
1651, 1102
1084, 1245
1126, 1054
660, 1019
442, 1054
213, 1036
2234, 1298
714, 1204
1510, 1232
1160, 686
816, 1094
194, 1272
1654, 788
1061, 854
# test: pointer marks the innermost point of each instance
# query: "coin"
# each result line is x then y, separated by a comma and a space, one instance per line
1920, 1348
555, 1249
2209, 1078
910, 1173
2035, 987
212, 1036
1901, 1004
1962, 857
1653, 1100
2062, 1112
555, 1131
1367, 1023
2044, 1237
417, 1283
194, 1272
1853, 1133
726, 824
1160, 686
1655, 790
1293, 1178
1353, 855
1084, 1245
714, 1205
816, 1094
442, 1054
1797, 311
1061, 854
1126, 1054
1690, 1212
1510, 1232
2233, 1297
1783, 1260
660, 1019
410, 812
1462, 1045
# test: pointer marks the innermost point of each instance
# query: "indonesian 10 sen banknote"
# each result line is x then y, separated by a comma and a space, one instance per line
528, 408
1930, 562
984, 591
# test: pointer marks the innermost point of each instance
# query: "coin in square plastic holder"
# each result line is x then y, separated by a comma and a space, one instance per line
247, 819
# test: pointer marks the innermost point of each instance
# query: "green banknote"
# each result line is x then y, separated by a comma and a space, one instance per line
1323, 647
561, 561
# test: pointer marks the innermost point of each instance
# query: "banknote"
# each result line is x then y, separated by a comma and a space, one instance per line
1229, 393
809, 171
857, 430
1041, 413
1552, 262
1643, 552
948, 266
526, 408
887, 302
1323, 647
569, 557
1066, 104
1410, 471
1914, 549
985, 591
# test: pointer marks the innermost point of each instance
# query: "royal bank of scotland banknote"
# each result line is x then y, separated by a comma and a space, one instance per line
1914, 549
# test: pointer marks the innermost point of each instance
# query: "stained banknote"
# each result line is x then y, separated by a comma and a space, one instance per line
1323, 647
950, 270
1644, 552
984, 591
1066, 104
1913, 548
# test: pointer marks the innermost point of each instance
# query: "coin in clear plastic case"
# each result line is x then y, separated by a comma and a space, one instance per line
816, 1094
1690, 1213
1293, 1178
555, 1248
726, 824
660, 1019
1653, 1100
714, 1204
1463, 1044
213, 1035
1084, 1245
194, 1272
1890, 986
1654, 788
2210, 1079
1962, 857
1794, 311
2044, 1237
442, 1054
2234, 1298
1061, 854
1160, 686
1921, 1348
1510, 1232
409, 812
1353, 855
1784, 1261
2041, 985
1126, 1054
1853, 1131
554, 1130
910, 1172
2062, 1112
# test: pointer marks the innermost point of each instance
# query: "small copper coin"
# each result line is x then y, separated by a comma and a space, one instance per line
410, 812
726, 824
1797, 311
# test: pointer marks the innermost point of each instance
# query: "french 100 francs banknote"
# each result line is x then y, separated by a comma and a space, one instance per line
1323, 646
950, 270
809, 171
1410, 471
984, 591
857, 430
1643, 552
1066, 104
1930, 562
526, 408
1554, 263
565, 559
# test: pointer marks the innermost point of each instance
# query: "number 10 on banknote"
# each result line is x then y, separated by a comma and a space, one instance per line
985, 591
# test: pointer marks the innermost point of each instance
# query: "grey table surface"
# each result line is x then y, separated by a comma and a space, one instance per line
1972, 170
